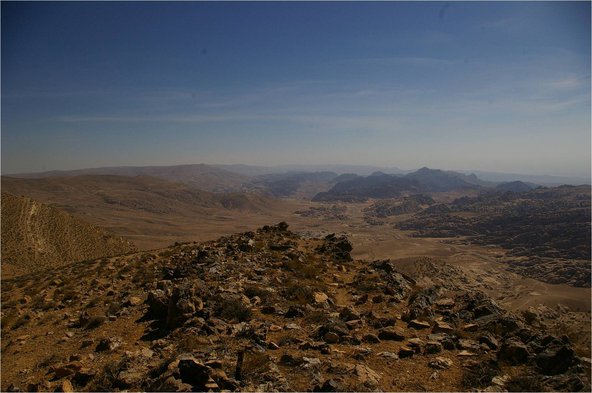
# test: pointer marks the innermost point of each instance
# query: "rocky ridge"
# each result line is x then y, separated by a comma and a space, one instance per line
269, 310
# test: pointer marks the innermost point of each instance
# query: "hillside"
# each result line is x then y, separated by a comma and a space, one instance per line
152, 212
201, 176
271, 310
37, 236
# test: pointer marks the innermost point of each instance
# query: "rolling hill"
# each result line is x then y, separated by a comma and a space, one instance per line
201, 176
153, 212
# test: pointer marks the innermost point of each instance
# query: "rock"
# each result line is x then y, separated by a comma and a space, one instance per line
417, 324
433, 347
349, 314
513, 351
353, 324
108, 344
133, 301
83, 376
129, 378
468, 344
445, 303
66, 369
442, 327
294, 312
327, 386
470, 327
87, 342
490, 341
437, 336
158, 304
440, 363
500, 380
65, 386
391, 333
223, 381
311, 362
320, 297
556, 359
383, 322
405, 352
370, 338
419, 304
290, 360
464, 352
377, 299
331, 338
171, 384
390, 355
268, 310
182, 304
193, 372
367, 376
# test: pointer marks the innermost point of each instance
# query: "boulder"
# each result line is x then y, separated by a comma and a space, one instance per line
556, 359
513, 351
193, 372
367, 376
158, 304
391, 333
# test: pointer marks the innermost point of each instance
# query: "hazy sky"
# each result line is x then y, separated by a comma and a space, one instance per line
490, 86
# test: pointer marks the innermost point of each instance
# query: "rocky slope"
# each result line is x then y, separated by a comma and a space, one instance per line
271, 310
546, 231
35, 236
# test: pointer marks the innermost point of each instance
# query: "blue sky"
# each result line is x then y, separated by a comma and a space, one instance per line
502, 86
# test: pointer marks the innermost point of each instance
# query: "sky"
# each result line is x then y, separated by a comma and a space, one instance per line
496, 86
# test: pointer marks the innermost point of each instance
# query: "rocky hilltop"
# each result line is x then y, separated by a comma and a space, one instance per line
272, 310
35, 236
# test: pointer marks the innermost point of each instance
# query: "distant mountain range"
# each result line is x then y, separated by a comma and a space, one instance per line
201, 176
381, 185
323, 182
